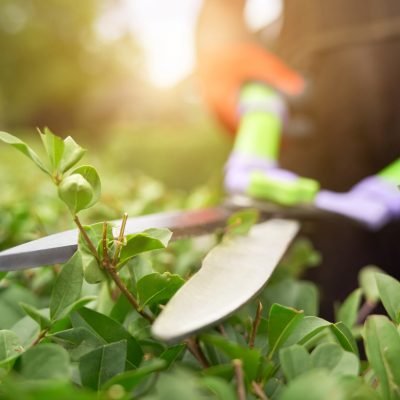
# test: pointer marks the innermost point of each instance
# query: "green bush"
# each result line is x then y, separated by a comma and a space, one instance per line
82, 330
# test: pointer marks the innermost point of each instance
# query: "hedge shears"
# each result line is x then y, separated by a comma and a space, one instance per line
235, 270
231, 274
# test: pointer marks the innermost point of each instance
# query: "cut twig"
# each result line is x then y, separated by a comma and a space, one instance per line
220, 328
255, 325
120, 239
258, 391
104, 242
118, 281
241, 391
193, 346
111, 270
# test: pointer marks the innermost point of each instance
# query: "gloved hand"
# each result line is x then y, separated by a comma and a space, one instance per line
252, 167
223, 72
244, 85
374, 201
261, 179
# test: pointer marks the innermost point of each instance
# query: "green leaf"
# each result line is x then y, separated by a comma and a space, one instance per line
141, 266
267, 369
338, 361
301, 295
102, 364
157, 288
382, 345
178, 384
389, 292
91, 270
321, 385
10, 298
75, 191
367, 282
314, 385
45, 361
281, 324
92, 177
344, 337
307, 330
221, 389
273, 388
130, 379
3, 275
224, 371
250, 357
295, 360
78, 341
348, 311
72, 154
240, 222
18, 389
10, 346
79, 303
356, 389
121, 309
67, 288
27, 330
75, 336
39, 316
23, 148
110, 331
173, 353
150, 239
54, 146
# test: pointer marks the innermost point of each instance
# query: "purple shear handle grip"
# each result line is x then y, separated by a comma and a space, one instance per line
373, 201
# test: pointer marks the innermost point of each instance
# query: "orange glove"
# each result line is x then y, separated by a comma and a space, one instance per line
222, 73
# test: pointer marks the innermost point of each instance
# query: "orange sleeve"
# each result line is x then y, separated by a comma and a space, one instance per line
222, 73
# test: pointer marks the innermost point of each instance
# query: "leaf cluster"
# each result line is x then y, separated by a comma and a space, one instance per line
83, 330
79, 187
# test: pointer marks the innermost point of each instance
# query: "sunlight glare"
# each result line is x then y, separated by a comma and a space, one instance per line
165, 30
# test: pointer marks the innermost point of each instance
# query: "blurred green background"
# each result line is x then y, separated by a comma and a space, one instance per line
58, 69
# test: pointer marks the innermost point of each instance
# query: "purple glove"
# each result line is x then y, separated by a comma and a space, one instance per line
239, 168
373, 201
262, 179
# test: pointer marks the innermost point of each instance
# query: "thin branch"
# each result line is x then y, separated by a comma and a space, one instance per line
118, 281
220, 328
193, 346
87, 238
104, 242
364, 311
257, 389
110, 268
241, 391
41, 336
256, 324
120, 239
